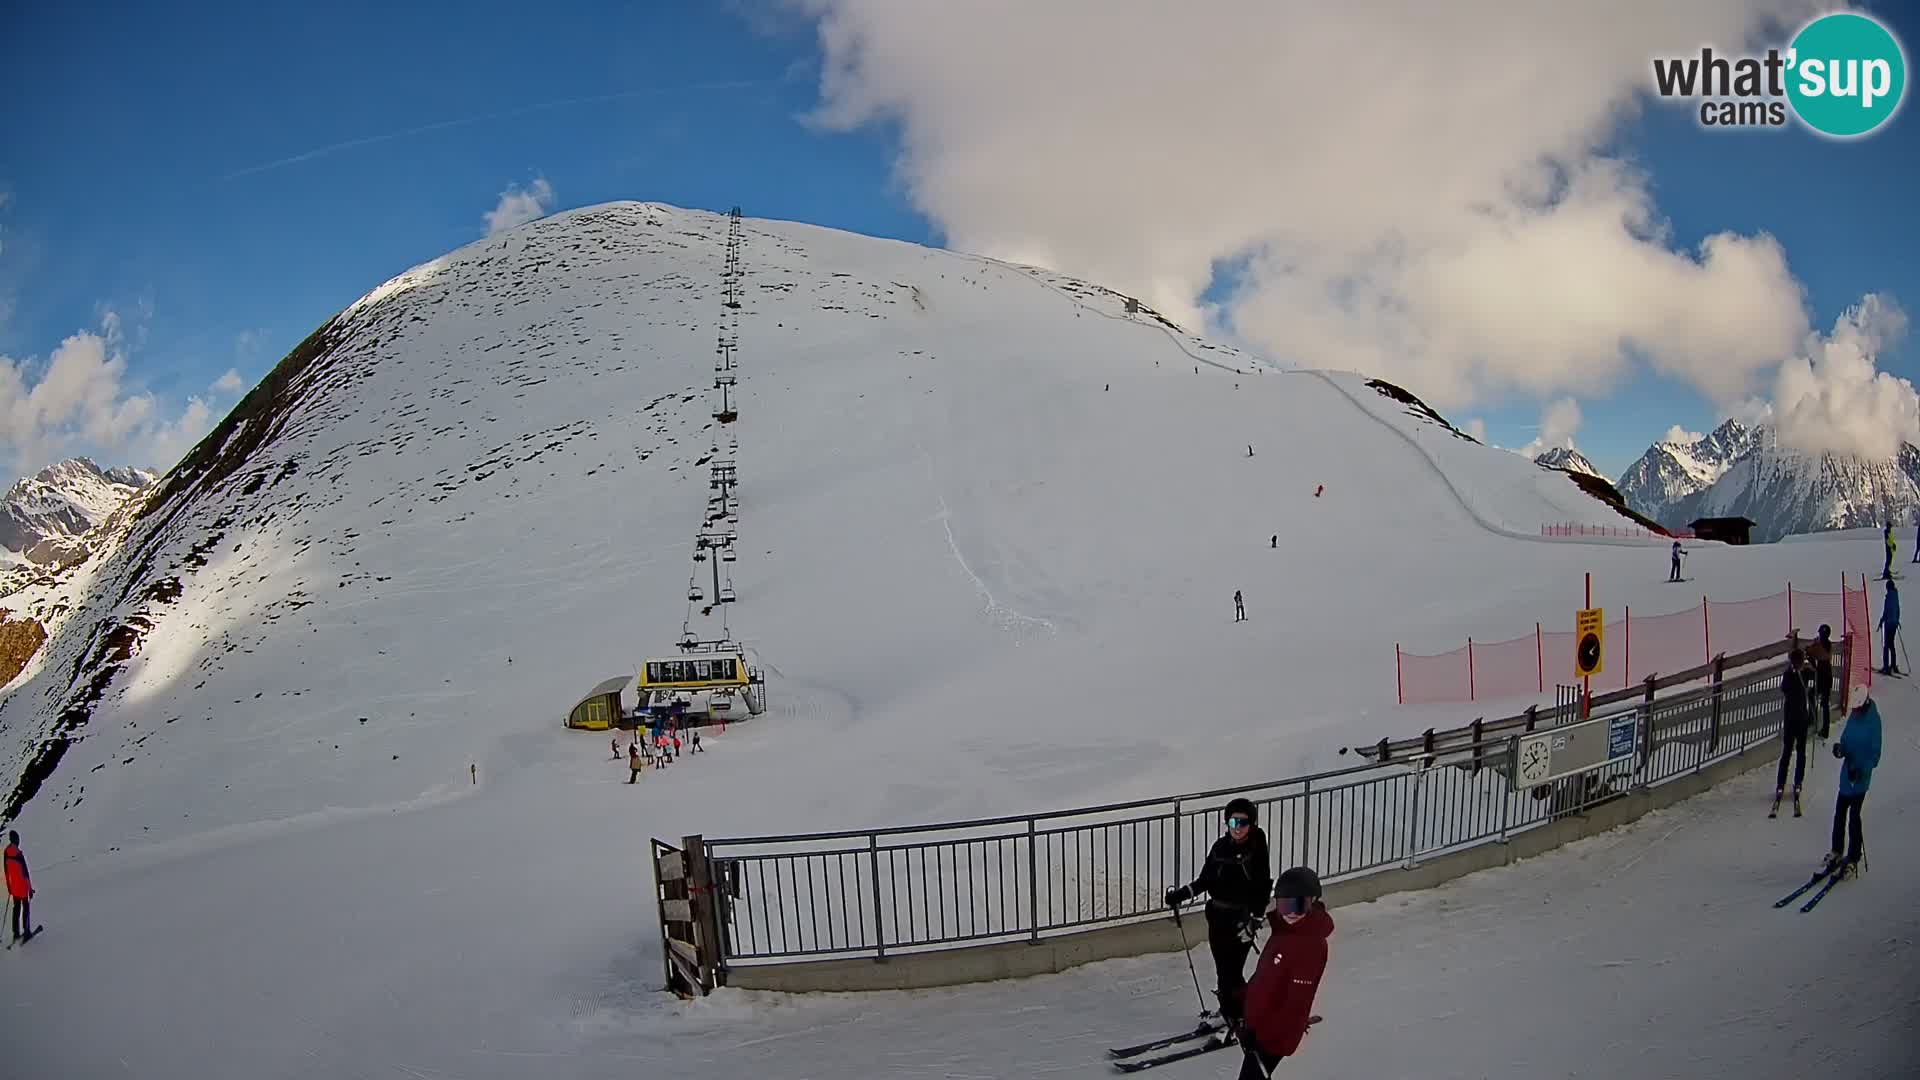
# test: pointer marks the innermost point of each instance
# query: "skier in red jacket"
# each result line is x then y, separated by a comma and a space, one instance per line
19, 889
1279, 1000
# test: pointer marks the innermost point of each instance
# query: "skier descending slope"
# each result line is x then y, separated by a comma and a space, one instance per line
1859, 754
1238, 879
1280, 998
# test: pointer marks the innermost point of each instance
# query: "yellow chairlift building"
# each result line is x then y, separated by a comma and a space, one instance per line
601, 708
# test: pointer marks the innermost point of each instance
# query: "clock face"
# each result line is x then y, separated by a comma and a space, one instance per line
1589, 652
1535, 758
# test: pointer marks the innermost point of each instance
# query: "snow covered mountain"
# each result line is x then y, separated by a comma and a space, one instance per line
1566, 459
303, 710
1744, 471
60, 503
972, 494
1671, 471
1787, 491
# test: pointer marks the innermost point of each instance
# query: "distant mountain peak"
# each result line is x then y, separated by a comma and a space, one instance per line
63, 502
1566, 459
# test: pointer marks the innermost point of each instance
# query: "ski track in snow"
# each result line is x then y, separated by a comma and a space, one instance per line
1008, 617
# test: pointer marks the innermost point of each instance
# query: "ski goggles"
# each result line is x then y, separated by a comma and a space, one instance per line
1293, 905
1239, 821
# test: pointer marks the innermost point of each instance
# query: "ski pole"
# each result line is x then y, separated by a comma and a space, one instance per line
1186, 950
1903, 647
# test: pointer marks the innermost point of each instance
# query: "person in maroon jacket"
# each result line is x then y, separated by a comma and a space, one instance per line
1279, 1000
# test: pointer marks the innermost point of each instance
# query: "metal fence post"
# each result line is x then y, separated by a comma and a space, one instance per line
1033, 884
1413, 815
1713, 734
1306, 825
1646, 743
879, 920
1513, 773
1177, 870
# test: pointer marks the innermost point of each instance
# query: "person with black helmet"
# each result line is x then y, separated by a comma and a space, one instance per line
1793, 731
1238, 880
1279, 1000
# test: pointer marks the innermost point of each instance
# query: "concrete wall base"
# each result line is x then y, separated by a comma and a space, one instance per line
1013, 960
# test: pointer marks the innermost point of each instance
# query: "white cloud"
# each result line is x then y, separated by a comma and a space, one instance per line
1477, 428
1678, 434
230, 383
79, 402
1417, 190
518, 206
165, 444
1559, 422
248, 344
1834, 400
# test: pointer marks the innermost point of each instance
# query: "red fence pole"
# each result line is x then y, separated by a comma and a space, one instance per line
1399, 687
1539, 661
1846, 651
1866, 602
1790, 609
1470, 689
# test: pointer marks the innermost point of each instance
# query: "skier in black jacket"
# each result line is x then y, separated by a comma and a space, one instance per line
1238, 881
1793, 732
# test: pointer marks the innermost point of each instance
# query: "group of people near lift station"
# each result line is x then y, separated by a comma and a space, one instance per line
1268, 1015
1807, 687
657, 746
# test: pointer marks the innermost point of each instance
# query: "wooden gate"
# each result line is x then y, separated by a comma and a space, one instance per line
689, 938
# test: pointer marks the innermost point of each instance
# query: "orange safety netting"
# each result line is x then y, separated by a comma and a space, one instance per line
1637, 646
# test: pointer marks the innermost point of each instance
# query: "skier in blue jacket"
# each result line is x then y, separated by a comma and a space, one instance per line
1890, 622
1859, 753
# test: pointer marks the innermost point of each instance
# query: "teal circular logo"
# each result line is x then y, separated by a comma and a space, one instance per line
1847, 75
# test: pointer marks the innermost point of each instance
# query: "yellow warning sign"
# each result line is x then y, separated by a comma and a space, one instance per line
1590, 642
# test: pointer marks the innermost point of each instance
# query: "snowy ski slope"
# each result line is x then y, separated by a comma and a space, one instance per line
991, 525
957, 543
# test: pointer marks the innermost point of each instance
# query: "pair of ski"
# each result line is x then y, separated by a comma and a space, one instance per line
1831, 876
1128, 1059
29, 936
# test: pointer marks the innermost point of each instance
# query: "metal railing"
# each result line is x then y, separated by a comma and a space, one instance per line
906, 889
1483, 729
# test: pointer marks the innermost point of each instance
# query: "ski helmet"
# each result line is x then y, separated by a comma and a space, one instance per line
1243, 808
1298, 883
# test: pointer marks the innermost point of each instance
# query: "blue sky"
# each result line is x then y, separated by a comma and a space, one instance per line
151, 172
